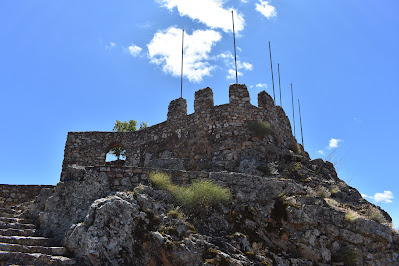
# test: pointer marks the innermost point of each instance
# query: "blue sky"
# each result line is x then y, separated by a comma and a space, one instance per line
81, 65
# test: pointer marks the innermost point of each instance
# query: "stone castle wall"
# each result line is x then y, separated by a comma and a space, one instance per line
216, 137
127, 178
15, 194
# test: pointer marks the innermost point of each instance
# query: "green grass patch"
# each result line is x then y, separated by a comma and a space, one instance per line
200, 195
260, 128
294, 146
322, 192
334, 190
351, 216
175, 213
376, 215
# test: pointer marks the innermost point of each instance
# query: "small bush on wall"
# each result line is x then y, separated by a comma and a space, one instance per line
260, 128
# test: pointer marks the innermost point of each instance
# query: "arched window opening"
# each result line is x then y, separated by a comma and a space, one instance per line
116, 154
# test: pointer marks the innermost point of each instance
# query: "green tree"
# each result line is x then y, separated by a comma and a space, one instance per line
125, 127
143, 125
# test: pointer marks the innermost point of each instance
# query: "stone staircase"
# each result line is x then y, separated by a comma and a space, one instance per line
21, 245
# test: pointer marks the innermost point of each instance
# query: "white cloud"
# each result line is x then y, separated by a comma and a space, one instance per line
266, 9
320, 152
333, 143
134, 50
245, 65
229, 62
231, 74
209, 12
110, 45
385, 197
244, 1
261, 85
165, 50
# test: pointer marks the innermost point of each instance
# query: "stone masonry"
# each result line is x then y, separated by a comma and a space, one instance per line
212, 138
16, 194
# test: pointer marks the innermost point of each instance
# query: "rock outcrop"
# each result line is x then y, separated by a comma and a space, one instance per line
285, 208
270, 221
71, 200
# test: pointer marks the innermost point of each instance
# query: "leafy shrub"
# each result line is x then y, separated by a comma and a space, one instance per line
201, 194
260, 128
351, 216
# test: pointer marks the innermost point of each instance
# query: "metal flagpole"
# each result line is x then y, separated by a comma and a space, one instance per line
300, 120
181, 79
279, 84
271, 66
235, 53
293, 110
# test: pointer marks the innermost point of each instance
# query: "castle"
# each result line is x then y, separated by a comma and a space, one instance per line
286, 209
212, 138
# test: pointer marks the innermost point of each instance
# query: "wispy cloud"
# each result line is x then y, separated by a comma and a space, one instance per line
321, 152
210, 12
163, 50
333, 143
110, 45
134, 50
266, 9
261, 86
385, 197
228, 59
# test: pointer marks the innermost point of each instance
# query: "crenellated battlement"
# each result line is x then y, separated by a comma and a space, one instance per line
177, 109
203, 101
212, 138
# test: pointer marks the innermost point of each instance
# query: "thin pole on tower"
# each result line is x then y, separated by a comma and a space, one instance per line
300, 120
235, 52
293, 109
271, 66
182, 56
279, 84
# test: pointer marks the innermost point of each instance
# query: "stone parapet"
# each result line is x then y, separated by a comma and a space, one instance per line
177, 109
16, 194
239, 95
203, 101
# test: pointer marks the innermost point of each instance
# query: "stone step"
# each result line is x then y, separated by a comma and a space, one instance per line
4, 225
54, 251
8, 211
9, 215
12, 220
33, 259
28, 240
17, 232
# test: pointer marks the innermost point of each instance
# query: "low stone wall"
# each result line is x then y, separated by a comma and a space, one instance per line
16, 194
124, 178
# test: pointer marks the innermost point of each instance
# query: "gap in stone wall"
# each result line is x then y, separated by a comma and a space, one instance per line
116, 154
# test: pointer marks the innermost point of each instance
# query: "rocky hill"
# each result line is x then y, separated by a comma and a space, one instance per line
283, 209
